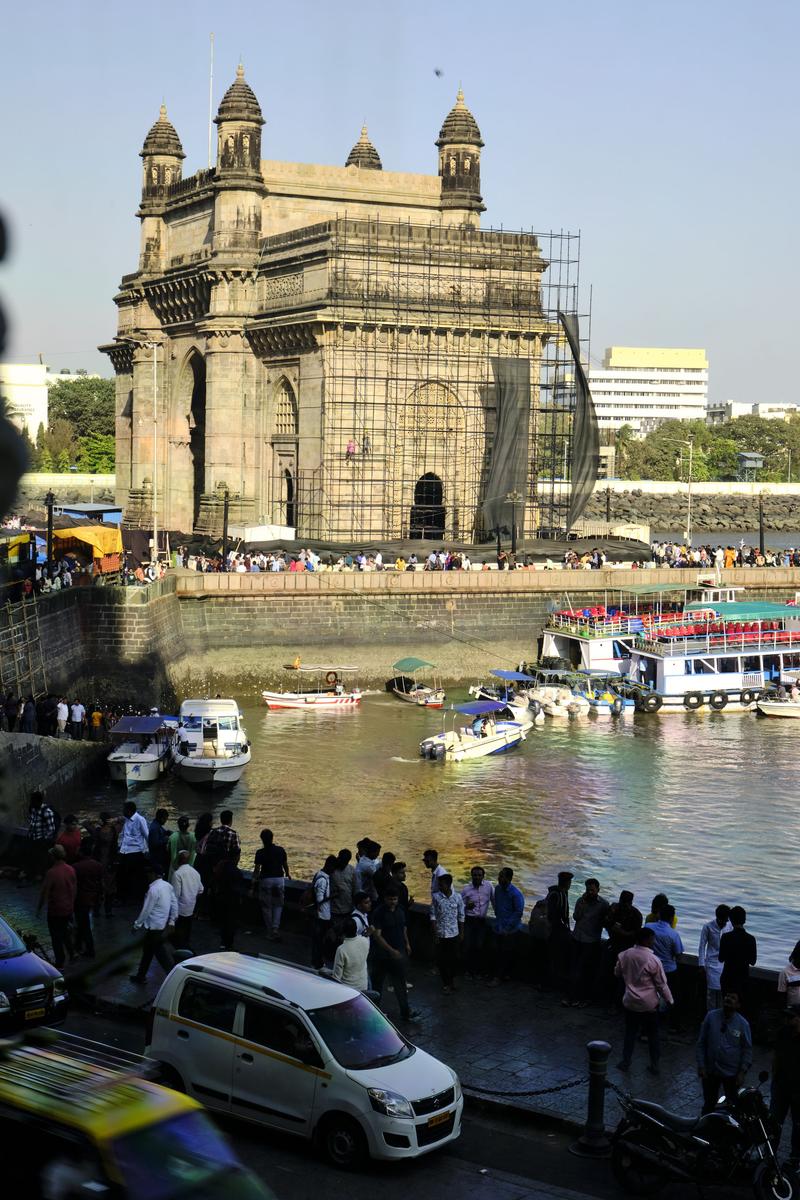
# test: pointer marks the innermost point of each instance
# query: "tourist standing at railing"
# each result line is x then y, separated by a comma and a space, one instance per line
708, 954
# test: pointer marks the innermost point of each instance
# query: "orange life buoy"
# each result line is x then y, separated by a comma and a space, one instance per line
332, 678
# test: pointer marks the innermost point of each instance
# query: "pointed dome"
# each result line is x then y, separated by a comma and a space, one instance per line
364, 154
460, 127
239, 102
162, 138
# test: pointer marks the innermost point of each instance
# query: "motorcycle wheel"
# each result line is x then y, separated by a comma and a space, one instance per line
636, 1176
768, 1184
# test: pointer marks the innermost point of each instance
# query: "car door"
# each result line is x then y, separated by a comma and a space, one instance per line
277, 1068
203, 1041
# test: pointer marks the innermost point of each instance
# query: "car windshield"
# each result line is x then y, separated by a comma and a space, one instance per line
174, 1158
358, 1035
10, 944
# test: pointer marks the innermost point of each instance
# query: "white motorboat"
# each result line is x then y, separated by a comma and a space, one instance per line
142, 748
330, 691
406, 686
210, 746
774, 706
485, 736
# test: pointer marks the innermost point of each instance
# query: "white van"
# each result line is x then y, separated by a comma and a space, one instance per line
285, 1047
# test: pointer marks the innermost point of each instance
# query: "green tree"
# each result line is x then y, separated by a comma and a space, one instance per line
60, 436
96, 455
87, 404
45, 463
62, 463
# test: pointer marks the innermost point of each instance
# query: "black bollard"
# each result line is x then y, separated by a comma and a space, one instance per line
593, 1142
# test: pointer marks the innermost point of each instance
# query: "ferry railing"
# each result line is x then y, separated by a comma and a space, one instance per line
754, 641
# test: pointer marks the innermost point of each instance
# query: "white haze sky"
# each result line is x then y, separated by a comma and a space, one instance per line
665, 133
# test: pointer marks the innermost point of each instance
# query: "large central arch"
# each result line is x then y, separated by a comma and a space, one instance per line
187, 443
433, 482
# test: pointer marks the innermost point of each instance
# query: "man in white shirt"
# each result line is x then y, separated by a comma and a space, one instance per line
431, 861
447, 918
76, 715
133, 849
187, 886
350, 960
708, 955
62, 716
158, 915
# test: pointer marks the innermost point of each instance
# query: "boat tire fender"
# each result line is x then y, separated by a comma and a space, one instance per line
693, 701
748, 696
150, 574
718, 700
332, 678
651, 704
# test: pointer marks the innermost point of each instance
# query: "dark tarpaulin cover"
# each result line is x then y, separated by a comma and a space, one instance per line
508, 471
585, 458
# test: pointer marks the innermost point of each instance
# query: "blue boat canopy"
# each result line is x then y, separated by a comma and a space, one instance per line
512, 676
477, 708
141, 725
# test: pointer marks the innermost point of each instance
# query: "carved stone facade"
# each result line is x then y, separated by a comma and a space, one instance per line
322, 337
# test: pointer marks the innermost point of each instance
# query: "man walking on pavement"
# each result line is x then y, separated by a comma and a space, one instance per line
58, 897
447, 917
708, 954
508, 903
158, 915
132, 855
724, 1051
187, 886
785, 1086
390, 949
645, 987
477, 896
41, 836
559, 939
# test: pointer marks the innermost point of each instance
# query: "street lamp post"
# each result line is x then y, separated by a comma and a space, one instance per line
690, 444
49, 501
514, 498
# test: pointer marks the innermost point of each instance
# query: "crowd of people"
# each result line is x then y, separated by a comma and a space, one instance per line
678, 554
588, 950
60, 716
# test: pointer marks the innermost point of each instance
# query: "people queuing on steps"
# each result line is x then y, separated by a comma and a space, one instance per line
71, 717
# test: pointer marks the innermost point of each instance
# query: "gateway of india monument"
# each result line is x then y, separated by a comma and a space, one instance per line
342, 349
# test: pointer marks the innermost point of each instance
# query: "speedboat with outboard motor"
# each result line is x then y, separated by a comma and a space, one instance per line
210, 745
142, 748
487, 734
511, 693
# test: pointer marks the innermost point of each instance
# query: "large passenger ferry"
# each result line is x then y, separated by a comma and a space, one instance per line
712, 652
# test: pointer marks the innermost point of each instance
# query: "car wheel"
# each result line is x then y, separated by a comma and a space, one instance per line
168, 1077
342, 1141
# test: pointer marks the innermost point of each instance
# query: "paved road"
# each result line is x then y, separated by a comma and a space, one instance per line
494, 1158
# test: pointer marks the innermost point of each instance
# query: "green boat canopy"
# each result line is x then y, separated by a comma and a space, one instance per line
410, 664
658, 589
742, 610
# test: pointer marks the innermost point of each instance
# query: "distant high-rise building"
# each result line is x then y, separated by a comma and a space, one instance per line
642, 386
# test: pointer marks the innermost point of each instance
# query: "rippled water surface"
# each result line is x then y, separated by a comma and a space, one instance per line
704, 807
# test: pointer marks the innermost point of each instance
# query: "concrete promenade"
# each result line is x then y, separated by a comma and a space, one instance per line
513, 1039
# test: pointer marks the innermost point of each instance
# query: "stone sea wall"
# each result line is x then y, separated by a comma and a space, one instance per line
195, 633
711, 511
28, 762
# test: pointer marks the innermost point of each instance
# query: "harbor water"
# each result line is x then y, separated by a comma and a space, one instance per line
700, 806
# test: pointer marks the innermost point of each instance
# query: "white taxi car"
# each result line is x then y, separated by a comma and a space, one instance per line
282, 1046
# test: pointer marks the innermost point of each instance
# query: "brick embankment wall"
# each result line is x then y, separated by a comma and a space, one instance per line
28, 762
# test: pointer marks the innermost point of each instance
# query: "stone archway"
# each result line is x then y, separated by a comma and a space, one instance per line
284, 439
428, 512
187, 444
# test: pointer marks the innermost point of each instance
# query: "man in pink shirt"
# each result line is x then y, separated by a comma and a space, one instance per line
645, 986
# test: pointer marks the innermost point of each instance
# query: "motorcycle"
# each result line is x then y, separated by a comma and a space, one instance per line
731, 1145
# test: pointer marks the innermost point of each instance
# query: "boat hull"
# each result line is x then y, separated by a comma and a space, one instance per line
460, 745
133, 773
210, 772
779, 708
310, 701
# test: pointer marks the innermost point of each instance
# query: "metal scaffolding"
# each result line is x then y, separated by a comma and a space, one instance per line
417, 316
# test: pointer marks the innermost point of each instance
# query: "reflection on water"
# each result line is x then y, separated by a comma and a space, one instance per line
699, 806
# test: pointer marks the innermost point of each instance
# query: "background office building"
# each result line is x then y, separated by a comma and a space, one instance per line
642, 386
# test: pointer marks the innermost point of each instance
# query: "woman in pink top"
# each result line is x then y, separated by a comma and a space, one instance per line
645, 987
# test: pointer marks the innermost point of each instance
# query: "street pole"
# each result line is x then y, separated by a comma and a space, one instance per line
761, 522
49, 501
689, 507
